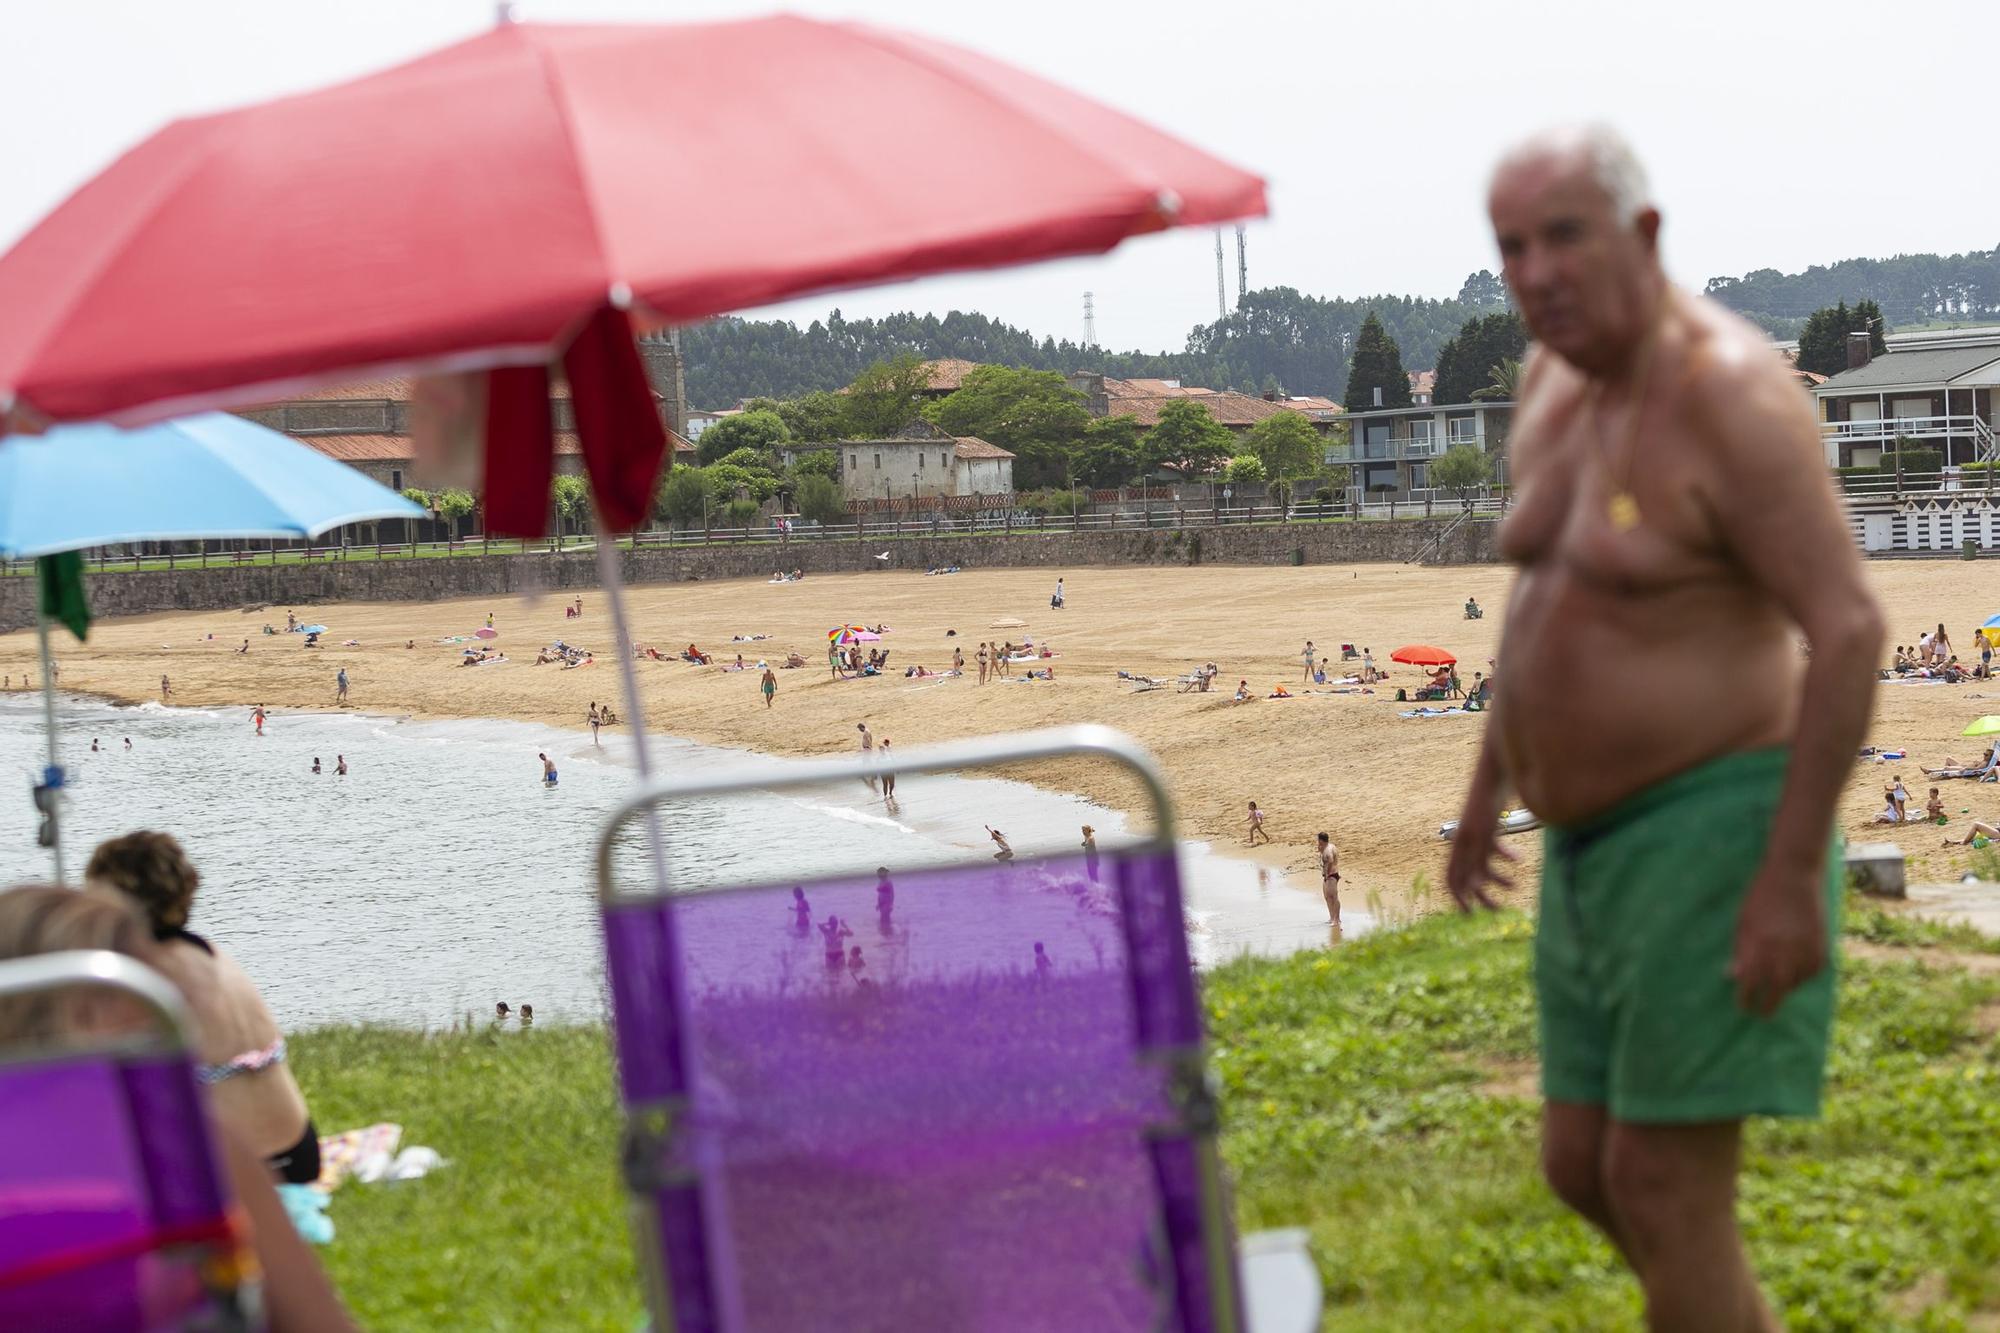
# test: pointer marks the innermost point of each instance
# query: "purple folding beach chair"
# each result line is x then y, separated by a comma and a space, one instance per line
993, 1114
113, 1214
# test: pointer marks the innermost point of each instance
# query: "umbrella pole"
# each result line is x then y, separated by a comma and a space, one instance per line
52, 774
614, 594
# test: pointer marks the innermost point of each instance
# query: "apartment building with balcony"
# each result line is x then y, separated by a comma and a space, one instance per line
1389, 450
1930, 390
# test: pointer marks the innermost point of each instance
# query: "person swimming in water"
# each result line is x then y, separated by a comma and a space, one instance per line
802, 913
257, 715
1043, 966
315, 764
1005, 853
340, 765
548, 770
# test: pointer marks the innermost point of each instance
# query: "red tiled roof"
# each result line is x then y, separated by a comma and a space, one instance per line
1228, 407
394, 448
949, 372
971, 446
395, 389
1309, 403
1153, 388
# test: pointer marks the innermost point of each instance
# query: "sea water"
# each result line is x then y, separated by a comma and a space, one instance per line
440, 874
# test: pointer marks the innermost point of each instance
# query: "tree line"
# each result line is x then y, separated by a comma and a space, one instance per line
1909, 289
1275, 338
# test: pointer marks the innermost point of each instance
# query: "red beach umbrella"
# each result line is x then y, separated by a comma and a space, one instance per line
530, 195
1422, 654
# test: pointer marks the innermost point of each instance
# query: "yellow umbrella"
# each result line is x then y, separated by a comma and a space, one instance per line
1985, 726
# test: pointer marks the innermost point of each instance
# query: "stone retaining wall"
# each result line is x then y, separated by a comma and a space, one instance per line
420, 580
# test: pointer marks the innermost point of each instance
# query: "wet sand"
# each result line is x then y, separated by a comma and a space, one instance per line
1379, 784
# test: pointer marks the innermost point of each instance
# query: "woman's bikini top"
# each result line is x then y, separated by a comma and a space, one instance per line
250, 1061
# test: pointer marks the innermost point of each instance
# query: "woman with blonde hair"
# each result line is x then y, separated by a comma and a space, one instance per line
242, 1051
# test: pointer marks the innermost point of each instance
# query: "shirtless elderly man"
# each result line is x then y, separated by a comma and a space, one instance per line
1671, 495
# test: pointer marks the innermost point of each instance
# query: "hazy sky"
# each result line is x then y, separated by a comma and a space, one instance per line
1778, 136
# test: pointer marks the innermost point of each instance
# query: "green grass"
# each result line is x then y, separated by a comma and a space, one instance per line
1377, 1094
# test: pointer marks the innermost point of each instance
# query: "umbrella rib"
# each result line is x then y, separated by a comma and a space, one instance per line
586, 188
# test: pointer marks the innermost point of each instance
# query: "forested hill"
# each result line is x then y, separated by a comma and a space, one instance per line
1276, 334
1911, 289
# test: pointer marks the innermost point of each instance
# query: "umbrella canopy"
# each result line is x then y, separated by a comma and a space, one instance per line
486, 632
846, 634
1991, 630
1422, 654
213, 475
527, 188
1985, 726
312, 629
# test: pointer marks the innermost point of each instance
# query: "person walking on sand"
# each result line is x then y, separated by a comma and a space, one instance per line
257, 716
1057, 600
958, 661
596, 721
1329, 878
1005, 853
769, 685
1670, 495
340, 686
548, 770
867, 752
1257, 825
340, 765
244, 649
166, 689
980, 657
489, 620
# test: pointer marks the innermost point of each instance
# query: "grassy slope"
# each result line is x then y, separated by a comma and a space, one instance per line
1378, 1094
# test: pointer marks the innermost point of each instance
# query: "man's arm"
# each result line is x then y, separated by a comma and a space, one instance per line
1778, 516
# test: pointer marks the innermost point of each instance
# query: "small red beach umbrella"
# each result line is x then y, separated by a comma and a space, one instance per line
1423, 654
533, 195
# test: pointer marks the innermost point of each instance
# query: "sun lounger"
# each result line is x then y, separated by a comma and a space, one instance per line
113, 1210
1003, 1122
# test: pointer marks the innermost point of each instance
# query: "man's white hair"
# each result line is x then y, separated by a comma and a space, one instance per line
1612, 163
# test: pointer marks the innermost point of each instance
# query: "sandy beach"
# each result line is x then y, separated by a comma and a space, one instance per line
1379, 783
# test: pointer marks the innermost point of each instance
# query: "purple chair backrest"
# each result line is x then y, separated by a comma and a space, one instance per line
976, 1102
113, 1214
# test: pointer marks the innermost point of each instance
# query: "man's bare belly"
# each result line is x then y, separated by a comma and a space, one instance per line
1605, 691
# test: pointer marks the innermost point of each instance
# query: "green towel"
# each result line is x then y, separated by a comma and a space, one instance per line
61, 581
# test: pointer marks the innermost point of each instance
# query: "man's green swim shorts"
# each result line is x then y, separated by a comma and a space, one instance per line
1632, 953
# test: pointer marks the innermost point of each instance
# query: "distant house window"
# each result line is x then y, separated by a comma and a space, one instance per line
878, 460
395, 479
920, 460
944, 460
854, 460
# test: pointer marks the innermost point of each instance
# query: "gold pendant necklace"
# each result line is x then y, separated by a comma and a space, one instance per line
1622, 508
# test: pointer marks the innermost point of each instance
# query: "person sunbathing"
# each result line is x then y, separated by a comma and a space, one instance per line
794, 660
1980, 834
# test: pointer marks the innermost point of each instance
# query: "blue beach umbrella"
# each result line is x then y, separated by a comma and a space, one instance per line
208, 476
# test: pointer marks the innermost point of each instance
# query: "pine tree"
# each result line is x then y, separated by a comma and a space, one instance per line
1377, 364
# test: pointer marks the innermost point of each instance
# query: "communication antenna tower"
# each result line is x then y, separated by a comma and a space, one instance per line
1242, 268
1089, 320
1221, 287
